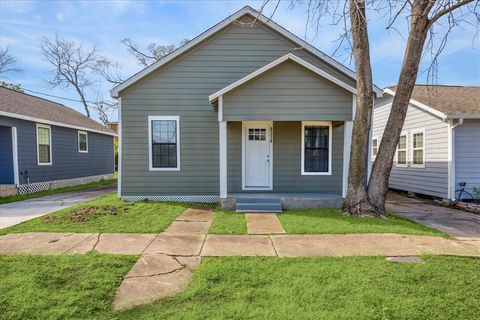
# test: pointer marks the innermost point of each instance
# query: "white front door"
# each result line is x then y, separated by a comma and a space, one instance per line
258, 157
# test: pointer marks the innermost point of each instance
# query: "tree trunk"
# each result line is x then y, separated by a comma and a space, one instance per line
82, 97
378, 184
357, 202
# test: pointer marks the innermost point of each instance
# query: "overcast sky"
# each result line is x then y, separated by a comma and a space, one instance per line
105, 23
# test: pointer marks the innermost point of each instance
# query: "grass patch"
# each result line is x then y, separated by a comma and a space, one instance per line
60, 287
19, 197
106, 214
328, 220
229, 222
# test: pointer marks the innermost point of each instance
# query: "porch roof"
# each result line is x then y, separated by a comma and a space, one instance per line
215, 97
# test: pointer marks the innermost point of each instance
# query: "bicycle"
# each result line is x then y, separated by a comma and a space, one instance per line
459, 194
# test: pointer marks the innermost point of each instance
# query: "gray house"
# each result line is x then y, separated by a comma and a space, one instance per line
46, 145
440, 143
246, 113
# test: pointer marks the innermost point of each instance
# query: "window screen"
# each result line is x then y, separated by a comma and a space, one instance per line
43, 136
82, 141
316, 148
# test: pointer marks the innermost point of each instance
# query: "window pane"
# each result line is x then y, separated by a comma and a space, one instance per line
402, 144
418, 140
164, 143
82, 137
43, 136
316, 149
417, 156
402, 157
374, 143
43, 153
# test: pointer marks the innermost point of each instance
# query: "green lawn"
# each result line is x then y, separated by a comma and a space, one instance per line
60, 287
106, 214
320, 221
20, 197
315, 221
228, 222
82, 287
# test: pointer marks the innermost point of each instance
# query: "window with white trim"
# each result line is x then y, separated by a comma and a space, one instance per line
402, 151
374, 147
44, 145
164, 140
82, 141
418, 149
316, 148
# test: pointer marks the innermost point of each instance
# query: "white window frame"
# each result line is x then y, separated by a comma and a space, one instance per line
316, 123
150, 162
78, 139
402, 165
38, 125
413, 165
378, 144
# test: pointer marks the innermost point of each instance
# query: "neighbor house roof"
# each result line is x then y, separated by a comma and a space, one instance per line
448, 101
218, 27
20, 105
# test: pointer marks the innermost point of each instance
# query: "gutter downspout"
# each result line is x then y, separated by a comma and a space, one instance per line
451, 157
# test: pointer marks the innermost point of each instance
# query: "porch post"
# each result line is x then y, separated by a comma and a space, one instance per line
16, 179
222, 138
347, 143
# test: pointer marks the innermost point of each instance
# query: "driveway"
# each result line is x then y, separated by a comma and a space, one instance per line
456, 223
16, 212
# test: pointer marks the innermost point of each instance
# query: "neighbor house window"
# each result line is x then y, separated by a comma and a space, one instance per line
44, 144
82, 141
374, 147
164, 140
402, 151
418, 149
316, 148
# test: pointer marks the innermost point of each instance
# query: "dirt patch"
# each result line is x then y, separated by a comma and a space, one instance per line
85, 214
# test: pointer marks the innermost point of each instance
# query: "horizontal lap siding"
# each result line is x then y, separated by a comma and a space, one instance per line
467, 154
67, 162
181, 88
286, 160
433, 179
288, 92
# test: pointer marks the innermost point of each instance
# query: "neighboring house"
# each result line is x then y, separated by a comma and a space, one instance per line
46, 145
246, 110
440, 142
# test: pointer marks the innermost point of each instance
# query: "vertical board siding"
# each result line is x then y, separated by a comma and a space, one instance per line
289, 91
181, 88
467, 154
67, 162
6, 156
433, 179
286, 160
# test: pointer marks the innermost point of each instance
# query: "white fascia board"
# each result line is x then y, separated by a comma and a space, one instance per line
421, 106
247, 10
288, 56
53, 123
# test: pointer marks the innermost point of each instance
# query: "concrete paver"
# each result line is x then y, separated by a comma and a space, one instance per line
237, 245
199, 215
263, 223
178, 245
40, 243
16, 212
188, 228
123, 243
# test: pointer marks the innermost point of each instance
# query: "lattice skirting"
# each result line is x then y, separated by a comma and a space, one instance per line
48, 185
178, 198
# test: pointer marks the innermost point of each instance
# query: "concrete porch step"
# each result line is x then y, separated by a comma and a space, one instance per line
258, 205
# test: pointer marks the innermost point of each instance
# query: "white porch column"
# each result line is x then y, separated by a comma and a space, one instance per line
347, 143
222, 138
16, 179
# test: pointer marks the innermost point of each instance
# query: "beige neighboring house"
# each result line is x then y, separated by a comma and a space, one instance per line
440, 142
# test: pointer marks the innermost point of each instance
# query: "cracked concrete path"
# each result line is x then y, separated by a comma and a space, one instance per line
263, 223
456, 223
16, 212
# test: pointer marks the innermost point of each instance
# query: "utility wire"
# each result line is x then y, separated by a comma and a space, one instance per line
54, 96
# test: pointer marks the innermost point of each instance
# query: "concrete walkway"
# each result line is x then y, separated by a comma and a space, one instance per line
456, 223
16, 212
263, 223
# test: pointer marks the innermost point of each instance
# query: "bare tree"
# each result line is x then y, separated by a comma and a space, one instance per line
7, 62
72, 65
422, 15
154, 52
